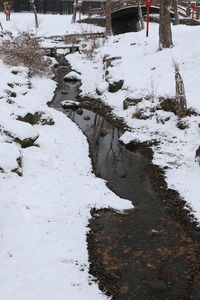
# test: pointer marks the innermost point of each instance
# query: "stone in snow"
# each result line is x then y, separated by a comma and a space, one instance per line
72, 76
19, 132
69, 104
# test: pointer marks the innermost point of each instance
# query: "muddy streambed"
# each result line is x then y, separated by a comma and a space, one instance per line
152, 251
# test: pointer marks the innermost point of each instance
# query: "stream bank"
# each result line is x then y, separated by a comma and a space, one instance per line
151, 252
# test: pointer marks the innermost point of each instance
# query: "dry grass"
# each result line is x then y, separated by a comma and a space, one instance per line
25, 50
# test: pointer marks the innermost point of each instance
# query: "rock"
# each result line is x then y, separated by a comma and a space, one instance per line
157, 286
79, 111
10, 158
56, 65
64, 92
72, 76
9, 101
130, 102
182, 125
99, 92
153, 232
70, 104
15, 72
103, 132
197, 155
19, 132
87, 118
115, 86
13, 94
11, 85
108, 62
38, 117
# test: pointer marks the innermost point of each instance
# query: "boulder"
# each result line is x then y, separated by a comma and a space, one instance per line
86, 118
37, 117
108, 62
70, 104
115, 86
72, 77
19, 132
130, 102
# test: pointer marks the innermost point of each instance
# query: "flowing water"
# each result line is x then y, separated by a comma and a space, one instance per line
145, 253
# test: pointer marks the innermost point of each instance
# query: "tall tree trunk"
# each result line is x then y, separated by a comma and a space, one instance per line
33, 7
108, 18
175, 10
140, 14
74, 12
165, 33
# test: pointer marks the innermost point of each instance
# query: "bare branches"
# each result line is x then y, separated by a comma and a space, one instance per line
25, 50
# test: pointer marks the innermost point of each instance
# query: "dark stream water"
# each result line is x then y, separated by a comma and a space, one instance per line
145, 253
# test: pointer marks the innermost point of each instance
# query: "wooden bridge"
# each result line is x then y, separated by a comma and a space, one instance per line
184, 9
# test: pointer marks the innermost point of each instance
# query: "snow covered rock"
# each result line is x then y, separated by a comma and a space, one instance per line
10, 158
37, 117
70, 104
110, 61
115, 86
72, 76
197, 156
130, 102
19, 132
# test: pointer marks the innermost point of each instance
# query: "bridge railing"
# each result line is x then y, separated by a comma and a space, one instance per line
183, 7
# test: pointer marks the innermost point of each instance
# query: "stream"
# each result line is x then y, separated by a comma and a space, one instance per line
145, 253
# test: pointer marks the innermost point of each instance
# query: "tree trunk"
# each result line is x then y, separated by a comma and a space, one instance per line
33, 7
180, 92
165, 33
74, 12
108, 18
175, 10
140, 14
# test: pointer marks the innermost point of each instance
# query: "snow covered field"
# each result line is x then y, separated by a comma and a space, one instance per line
49, 25
44, 213
148, 74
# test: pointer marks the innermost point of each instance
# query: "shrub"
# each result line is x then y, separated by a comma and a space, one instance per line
25, 50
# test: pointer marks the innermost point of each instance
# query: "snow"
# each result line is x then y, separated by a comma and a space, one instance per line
18, 129
148, 74
49, 24
72, 76
44, 213
9, 153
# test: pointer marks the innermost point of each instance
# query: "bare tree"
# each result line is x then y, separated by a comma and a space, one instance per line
175, 10
140, 14
108, 18
165, 33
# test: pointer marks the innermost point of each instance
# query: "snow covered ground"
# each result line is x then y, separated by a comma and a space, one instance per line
44, 213
49, 25
148, 74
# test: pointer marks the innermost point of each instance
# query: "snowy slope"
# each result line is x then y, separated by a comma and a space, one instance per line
44, 213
